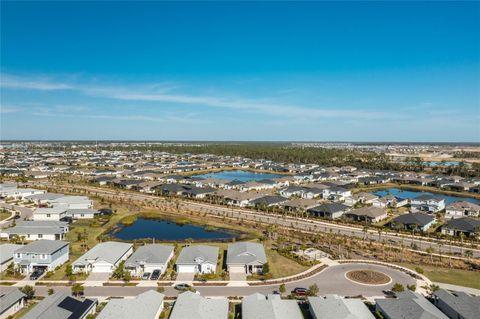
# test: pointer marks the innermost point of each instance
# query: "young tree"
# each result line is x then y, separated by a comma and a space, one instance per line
50, 291
77, 290
398, 287
68, 270
282, 288
28, 291
266, 268
313, 290
412, 287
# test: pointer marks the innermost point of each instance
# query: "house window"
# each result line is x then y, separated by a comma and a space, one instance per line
48, 215
44, 256
40, 235
19, 255
81, 215
28, 235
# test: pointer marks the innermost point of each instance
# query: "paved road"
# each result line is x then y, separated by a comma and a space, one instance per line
313, 225
330, 281
25, 212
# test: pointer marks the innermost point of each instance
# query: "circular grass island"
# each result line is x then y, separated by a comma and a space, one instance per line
368, 277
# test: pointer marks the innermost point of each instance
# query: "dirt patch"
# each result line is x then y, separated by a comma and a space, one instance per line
368, 277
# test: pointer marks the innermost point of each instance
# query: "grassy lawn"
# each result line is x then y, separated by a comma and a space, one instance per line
22, 312
450, 276
281, 266
5, 276
4, 214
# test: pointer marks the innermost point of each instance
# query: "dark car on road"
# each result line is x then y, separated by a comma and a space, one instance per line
155, 275
36, 274
299, 292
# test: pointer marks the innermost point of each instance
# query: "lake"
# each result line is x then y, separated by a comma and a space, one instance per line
244, 176
412, 194
168, 230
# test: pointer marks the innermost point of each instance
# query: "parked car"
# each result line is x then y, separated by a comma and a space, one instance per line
300, 292
155, 275
389, 293
276, 292
36, 274
146, 275
182, 287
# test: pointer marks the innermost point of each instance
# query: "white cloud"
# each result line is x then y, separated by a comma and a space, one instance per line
159, 92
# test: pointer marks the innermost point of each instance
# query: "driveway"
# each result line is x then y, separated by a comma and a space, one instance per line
238, 276
185, 277
97, 278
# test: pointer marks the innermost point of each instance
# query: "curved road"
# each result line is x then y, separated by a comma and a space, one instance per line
329, 281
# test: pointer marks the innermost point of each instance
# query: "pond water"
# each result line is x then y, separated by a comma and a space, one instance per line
412, 194
244, 176
168, 230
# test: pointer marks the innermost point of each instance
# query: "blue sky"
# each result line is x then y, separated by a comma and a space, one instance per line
376, 71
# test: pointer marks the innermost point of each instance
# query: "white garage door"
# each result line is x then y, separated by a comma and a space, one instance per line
186, 268
235, 269
101, 268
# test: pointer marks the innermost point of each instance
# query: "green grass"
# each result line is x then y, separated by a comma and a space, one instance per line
281, 266
451, 276
4, 214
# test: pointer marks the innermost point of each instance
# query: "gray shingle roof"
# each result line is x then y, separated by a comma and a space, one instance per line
335, 307
414, 218
60, 306
144, 306
197, 254
246, 253
465, 305
192, 305
6, 252
409, 305
109, 251
258, 306
9, 298
150, 254
42, 246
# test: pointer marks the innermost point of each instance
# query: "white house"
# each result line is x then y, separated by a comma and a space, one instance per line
147, 305
41, 254
197, 259
36, 229
81, 213
51, 213
427, 203
336, 193
462, 209
10, 303
103, 258
6, 255
149, 258
246, 257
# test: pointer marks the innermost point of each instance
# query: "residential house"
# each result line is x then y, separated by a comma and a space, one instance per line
258, 306
103, 258
333, 306
82, 213
363, 198
11, 302
268, 201
413, 221
299, 204
149, 258
427, 203
236, 198
390, 201
41, 254
462, 209
329, 210
457, 305
408, 304
6, 255
368, 215
192, 305
246, 257
197, 259
336, 193
62, 306
468, 226
36, 229
51, 213
147, 305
